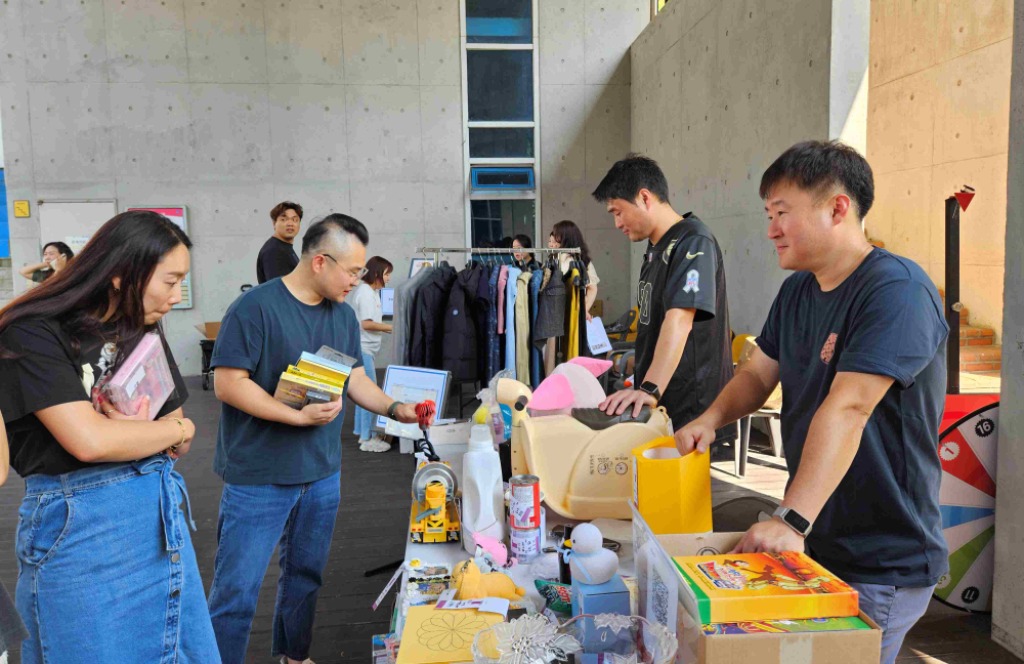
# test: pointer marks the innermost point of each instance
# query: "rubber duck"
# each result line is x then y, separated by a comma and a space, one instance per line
589, 561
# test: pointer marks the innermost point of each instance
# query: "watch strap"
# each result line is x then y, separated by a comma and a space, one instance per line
392, 408
792, 518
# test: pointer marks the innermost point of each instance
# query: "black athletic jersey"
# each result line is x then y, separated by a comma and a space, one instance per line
685, 270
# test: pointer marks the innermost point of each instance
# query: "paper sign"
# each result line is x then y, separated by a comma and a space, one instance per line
496, 605
597, 338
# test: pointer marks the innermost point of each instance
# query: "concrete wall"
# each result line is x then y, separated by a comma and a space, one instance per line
230, 106
1008, 600
585, 124
720, 89
938, 119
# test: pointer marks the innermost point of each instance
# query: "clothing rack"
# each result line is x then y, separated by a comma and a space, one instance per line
499, 251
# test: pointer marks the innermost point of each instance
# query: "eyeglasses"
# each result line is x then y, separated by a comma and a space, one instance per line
355, 274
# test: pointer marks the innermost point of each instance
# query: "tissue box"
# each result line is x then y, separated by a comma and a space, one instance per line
610, 597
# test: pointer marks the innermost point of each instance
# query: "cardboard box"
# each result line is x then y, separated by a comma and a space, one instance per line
665, 598
209, 329
610, 597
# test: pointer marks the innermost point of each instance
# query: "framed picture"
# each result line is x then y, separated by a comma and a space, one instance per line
178, 215
413, 385
418, 264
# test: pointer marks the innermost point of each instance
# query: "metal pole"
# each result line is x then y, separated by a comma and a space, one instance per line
953, 305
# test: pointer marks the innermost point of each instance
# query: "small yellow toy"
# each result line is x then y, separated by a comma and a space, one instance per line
434, 516
474, 584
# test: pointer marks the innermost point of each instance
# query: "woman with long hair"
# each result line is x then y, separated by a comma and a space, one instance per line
567, 235
107, 568
365, 301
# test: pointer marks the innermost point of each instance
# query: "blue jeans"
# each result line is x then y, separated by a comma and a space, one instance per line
895, 609
107, 572
363, 419
253, 519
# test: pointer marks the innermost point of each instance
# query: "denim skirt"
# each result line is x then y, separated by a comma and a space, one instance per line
107, 572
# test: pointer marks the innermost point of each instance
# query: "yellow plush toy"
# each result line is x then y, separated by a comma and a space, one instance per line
474, 584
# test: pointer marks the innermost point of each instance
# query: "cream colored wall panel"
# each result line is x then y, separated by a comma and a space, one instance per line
17, 135
561, 36
609, 29
443, 208
381, 42
973, 110
610, 252
967, 25
562, 133
905, 38
237, 210
894, 143
440, 60
903, 206
226, 41
384, 135
318, 198
231, 130
146, 41
71, 139
24, 228
12, 41
308, 131
64, 40
564, 201
154, 136
607, 128
981, 291
983, 225
441, 127
304, 43
389, 207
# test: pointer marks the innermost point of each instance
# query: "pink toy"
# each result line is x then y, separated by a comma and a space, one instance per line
554, 393
592, 364
492, 551
586, 389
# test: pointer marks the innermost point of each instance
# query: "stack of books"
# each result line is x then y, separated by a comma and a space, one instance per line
318, 378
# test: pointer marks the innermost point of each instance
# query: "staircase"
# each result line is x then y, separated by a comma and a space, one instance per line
978, 350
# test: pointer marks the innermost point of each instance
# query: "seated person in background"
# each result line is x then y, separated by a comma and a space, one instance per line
277, 257
55, 258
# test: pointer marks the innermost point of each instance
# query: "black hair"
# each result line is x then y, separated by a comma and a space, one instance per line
524, 241
628, 176
128, 246
376, 268
316, 233
61, 249
569, 236
819, 165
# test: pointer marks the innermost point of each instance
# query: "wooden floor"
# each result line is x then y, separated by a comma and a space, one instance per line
371, 531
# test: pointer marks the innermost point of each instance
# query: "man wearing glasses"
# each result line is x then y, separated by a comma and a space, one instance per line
281, 466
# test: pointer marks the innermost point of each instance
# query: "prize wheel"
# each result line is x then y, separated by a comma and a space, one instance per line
967, 497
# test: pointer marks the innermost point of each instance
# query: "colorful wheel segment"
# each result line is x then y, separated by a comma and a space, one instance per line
967, 498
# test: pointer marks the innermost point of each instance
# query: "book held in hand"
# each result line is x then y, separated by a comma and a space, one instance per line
313, 379
146, 373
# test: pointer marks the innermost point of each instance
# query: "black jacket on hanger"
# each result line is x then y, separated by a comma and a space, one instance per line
428, 318
462, 324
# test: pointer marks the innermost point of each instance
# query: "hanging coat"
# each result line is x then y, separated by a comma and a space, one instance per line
461, 348
428, 318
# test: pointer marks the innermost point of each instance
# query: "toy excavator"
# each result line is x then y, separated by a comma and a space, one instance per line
434, 516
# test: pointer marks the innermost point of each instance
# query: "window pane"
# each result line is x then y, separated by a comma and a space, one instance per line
494, 177
499, 21
500, 85
511, 142
495, 221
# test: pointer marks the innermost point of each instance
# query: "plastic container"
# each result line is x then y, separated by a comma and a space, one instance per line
482, 491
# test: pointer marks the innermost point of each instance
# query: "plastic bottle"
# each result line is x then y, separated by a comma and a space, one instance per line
483, 501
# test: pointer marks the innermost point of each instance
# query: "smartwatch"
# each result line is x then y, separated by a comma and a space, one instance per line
793, 519
392, 408
651, 388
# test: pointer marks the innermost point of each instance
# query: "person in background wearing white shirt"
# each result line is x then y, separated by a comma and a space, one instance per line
365, 300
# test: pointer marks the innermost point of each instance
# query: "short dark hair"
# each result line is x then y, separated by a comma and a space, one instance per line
376, 268
280, 208
524, 241
61, 249
316, 233
628, 176
819, 165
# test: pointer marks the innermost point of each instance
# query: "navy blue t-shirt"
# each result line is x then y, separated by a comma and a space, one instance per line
882, 524
264, 331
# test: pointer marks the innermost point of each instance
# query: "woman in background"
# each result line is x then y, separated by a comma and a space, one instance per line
108, 572
567, 235
365, 301
523, 259
55, 258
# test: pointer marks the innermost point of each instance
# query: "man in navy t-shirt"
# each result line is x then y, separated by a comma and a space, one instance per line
281, 466
857, 337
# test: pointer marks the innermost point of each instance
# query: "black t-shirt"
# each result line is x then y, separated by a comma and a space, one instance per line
685, 271
277, 258
882, 524
47, 372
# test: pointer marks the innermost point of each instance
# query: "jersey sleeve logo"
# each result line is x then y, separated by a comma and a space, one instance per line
690, 256
692, 282
829, 349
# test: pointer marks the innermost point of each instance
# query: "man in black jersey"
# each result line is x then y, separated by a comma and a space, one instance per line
683, 349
